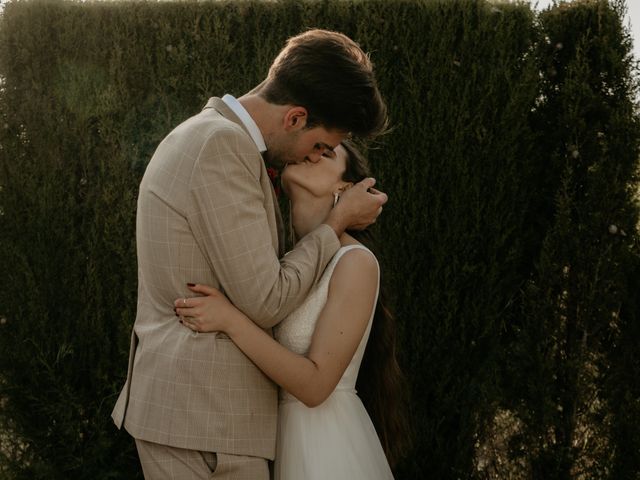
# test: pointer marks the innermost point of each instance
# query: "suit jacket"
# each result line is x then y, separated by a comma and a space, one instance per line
207, 213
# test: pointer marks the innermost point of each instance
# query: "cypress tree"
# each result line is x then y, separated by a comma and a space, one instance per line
510, 241
571, 319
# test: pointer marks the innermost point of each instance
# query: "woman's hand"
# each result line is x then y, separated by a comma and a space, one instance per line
210, 313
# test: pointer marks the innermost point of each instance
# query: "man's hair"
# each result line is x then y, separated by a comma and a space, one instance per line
328, 74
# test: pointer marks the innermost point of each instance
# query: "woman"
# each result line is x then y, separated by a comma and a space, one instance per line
324, 432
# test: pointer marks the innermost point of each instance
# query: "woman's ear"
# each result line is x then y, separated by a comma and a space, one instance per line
342, 186
345, 186
295, 119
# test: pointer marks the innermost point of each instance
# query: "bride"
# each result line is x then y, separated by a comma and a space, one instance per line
321, 357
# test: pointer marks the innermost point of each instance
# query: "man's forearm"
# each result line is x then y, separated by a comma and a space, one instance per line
336, 222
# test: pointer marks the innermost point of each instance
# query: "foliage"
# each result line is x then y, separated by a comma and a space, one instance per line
510, 242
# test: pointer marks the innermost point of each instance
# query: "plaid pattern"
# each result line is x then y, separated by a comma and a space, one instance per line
160, 462
207, 214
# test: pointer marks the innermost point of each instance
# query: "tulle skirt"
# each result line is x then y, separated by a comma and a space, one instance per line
333, 441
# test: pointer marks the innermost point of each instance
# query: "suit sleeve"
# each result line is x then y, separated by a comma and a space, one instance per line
229, 220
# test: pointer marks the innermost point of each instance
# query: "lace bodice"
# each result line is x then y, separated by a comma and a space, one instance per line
296, 330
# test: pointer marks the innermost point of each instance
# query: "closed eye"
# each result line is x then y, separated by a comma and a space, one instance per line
327, 151
329, 154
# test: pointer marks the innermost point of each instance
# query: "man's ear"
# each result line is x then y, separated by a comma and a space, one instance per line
295, 119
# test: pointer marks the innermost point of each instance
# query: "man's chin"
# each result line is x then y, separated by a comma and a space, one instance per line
273, 161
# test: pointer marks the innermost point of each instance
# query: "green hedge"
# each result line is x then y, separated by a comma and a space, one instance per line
510, 243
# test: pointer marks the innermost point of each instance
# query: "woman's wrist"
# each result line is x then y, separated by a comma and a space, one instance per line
235, 324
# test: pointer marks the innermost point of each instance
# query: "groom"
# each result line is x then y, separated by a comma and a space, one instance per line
207, 214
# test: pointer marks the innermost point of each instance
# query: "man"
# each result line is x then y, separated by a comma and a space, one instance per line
207, 214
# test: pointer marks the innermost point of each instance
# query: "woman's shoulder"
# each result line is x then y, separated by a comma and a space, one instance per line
354, 249
355, 263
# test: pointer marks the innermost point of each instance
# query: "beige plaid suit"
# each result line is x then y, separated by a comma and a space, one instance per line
207, 214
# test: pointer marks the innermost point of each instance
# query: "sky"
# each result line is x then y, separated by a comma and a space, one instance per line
633, 18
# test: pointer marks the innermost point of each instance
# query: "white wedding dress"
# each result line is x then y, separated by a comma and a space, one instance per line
335, 440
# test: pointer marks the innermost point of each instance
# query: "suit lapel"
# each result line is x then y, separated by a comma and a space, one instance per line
224, 110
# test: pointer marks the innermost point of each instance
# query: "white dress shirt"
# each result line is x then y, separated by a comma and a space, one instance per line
246, 120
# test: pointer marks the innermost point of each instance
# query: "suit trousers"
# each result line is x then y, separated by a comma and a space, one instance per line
162, 462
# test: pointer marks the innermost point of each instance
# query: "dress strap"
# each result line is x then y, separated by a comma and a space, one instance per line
342, 250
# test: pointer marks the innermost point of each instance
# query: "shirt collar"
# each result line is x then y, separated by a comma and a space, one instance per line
246, 120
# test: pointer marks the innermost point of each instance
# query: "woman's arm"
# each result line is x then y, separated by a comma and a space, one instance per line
339, 330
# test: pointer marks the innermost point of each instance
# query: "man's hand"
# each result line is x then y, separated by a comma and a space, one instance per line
359, 207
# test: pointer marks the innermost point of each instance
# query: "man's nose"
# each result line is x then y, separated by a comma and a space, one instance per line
314, 157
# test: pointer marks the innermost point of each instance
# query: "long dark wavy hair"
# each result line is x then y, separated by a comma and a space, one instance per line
381, 384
